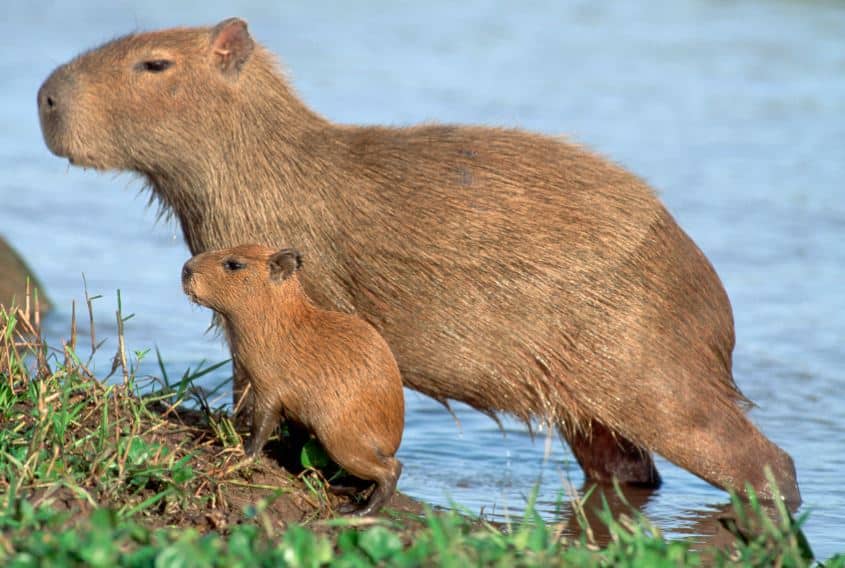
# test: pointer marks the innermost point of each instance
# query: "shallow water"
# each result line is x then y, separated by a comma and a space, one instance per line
733, 111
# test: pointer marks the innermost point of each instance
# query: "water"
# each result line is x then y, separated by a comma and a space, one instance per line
733, 111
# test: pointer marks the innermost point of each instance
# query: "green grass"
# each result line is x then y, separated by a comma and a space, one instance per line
93, 473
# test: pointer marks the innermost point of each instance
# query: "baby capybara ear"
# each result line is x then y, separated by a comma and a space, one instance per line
284, 263
231, 46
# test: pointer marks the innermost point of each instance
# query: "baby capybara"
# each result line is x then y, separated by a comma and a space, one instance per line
328, 371
516, 272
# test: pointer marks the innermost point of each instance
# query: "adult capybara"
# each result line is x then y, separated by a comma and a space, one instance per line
328, 371
516, 272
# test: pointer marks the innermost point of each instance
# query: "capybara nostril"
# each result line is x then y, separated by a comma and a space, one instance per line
47, 96
46, 101
56, 90
186, 273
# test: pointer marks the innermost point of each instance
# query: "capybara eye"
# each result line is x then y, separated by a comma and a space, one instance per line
154, 65
232, 265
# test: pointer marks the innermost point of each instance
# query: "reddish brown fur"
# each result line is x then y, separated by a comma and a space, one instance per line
328, 371
516, 272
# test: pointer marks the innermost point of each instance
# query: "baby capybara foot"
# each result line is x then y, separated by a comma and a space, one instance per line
382, 492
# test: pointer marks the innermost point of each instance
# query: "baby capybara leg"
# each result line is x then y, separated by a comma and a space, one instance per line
727, 450
382, 492
264, 421
367, 462
242, 401
604, 456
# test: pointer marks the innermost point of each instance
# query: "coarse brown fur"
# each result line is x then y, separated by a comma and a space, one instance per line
516, 272
328, 371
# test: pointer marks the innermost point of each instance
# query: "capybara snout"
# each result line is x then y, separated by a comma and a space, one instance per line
331, 372
52, 99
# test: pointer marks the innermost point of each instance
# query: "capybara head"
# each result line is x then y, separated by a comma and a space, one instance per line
146, 97
235, 278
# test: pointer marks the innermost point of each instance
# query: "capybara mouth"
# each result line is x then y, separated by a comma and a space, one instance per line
195, 299
188, 288
190, 291
85, 161
55, 146
79, 160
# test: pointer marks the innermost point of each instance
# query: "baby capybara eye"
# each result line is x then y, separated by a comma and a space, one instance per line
232, 265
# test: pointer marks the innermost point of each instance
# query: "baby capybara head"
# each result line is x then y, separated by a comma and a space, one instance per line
236, 278
147, 96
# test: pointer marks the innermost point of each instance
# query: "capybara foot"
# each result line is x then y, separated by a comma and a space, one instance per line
382, 492
604, 457
371, 506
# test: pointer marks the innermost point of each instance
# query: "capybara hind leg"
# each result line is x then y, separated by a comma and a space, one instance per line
604, 456
382, 492
729, 451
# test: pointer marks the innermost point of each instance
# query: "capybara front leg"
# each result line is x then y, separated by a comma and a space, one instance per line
264, 422
242, 395
604, 456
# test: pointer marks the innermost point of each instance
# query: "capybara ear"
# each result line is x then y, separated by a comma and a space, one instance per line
231, 46
284, 263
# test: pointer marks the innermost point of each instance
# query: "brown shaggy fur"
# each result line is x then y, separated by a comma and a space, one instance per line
515, 272
328, 371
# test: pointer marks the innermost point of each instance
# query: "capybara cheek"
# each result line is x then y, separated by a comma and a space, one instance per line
92, 139
188, 286
85, 122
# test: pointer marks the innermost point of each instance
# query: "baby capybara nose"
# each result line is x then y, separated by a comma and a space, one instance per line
49, 94
186, 273
46, 101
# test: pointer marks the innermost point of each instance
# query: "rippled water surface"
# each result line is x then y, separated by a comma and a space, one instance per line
735, 112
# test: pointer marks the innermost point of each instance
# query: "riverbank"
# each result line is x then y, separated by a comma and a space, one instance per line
129, 471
